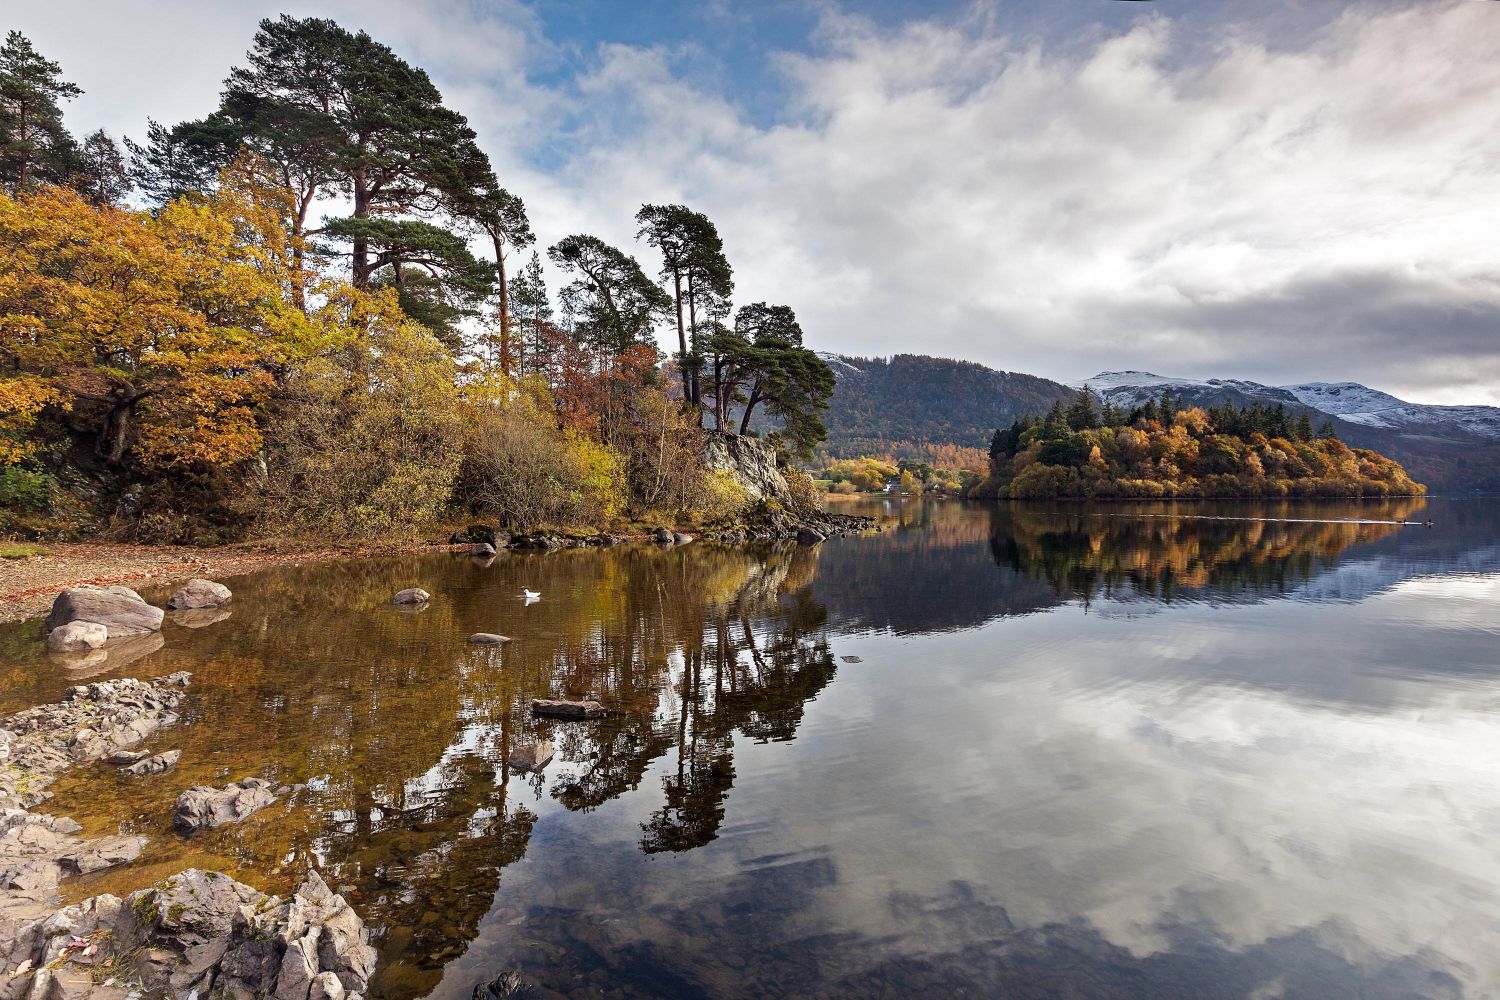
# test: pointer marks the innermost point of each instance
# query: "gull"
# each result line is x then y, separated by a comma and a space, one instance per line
532, 596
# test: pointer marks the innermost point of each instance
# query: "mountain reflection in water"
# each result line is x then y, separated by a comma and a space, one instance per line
1091, 751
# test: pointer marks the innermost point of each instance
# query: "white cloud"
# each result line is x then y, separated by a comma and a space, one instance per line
1159, 196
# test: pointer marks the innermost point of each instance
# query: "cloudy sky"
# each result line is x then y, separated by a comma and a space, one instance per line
1277, 191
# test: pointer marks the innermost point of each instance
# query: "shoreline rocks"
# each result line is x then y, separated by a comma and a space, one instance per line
198, 593
196, 934
120, 610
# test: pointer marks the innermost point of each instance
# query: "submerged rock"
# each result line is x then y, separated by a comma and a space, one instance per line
119, 609
155, 764
488, 639
199, 593
204, 807
77, 637
531, 756
558, 709
106, 852
411, 595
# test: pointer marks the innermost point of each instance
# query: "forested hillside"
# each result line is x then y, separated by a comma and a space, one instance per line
894, 406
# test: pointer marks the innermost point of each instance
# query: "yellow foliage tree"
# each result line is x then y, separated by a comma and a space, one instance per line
161, 334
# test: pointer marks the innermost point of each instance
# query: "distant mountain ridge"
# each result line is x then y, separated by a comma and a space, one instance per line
882, 405
896, 405
1350, 401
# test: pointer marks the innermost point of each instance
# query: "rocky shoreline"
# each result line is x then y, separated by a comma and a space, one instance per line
194, 935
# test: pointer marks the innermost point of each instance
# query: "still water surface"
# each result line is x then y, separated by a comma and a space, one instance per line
1016, 750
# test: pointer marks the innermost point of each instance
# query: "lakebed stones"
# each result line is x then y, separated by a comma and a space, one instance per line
203, 807
411, 596
196, 934
77, 637
488, 639
106, 852
119, 609
198, 593
530, 756
557, 709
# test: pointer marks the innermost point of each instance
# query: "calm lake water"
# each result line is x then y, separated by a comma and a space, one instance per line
1024, 750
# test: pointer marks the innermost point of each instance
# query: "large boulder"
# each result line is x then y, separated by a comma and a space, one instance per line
411, 595
119, 609
203, 807
199, 594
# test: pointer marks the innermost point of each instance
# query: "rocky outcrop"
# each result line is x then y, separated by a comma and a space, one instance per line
92, 722
197, 934
775, 511
119, 609
203, 807
751, 463
197, 594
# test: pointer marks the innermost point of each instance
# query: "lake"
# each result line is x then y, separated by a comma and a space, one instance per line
1154, 750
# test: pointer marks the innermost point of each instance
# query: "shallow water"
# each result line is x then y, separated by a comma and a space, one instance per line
1194, 750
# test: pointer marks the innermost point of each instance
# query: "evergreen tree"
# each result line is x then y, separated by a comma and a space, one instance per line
615, 304
34, 145
530, 308
101, 176
1083, 413
1326, 432
1304, 427
693, 258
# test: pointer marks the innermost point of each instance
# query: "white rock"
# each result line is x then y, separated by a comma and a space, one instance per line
77, 637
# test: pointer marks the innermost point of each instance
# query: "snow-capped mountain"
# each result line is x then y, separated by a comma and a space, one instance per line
1349, 401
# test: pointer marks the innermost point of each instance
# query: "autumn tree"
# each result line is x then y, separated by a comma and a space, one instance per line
157, 336
34, 145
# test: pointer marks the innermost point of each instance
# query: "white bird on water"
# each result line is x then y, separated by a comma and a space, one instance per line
532, 596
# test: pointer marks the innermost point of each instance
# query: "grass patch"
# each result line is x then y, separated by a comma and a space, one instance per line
20, 550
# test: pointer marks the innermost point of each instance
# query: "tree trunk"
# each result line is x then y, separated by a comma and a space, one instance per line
505, 359
360, 266
682, 347
755, 397
696, 395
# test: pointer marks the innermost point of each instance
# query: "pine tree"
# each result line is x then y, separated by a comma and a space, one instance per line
1304, 427
101, 176
34, 145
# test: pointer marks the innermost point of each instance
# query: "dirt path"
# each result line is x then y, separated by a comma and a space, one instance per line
27, 586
